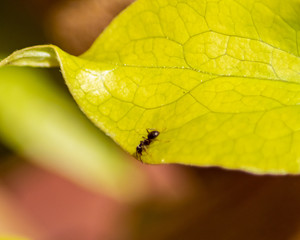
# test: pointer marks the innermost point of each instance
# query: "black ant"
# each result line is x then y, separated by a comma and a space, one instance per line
143, 144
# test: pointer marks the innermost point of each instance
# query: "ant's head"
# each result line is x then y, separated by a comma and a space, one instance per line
153, 134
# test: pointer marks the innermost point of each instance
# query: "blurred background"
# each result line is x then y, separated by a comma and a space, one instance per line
61, 178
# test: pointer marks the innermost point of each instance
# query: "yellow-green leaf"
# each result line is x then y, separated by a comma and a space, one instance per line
218, 79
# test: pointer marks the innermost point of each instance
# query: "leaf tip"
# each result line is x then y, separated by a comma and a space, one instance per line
3, 62
37, 56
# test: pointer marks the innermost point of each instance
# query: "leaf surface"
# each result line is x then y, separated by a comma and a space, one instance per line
218, 79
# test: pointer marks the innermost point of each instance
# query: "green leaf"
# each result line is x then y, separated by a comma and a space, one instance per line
218, 79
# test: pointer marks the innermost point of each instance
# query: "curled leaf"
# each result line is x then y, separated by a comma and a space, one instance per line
218, 79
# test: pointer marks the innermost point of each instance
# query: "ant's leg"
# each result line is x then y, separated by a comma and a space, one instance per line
145, 148
139, 156
150, 129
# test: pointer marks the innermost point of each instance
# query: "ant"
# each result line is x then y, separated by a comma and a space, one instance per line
146, 142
